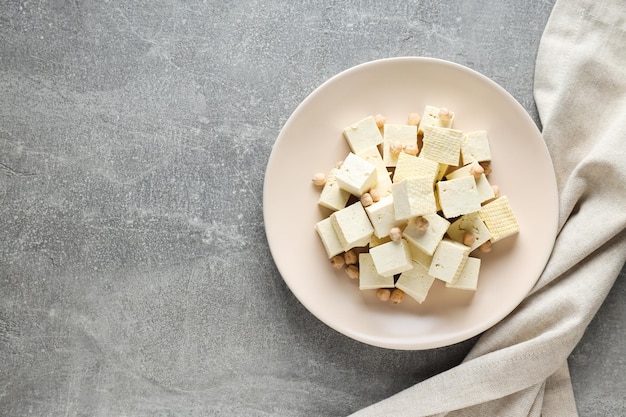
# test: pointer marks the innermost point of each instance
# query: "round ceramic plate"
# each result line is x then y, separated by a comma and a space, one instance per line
311, 141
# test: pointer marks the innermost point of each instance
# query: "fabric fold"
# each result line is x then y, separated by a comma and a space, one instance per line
519, 366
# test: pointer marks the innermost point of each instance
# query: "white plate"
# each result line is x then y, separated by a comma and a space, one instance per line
312, 141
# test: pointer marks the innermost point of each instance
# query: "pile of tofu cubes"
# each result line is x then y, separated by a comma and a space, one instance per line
433, 196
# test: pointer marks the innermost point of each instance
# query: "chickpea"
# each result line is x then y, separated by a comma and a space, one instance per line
485, 247
421, 223
496, 191
319, 179
395, 148
395, 234
380, 120
469, 238
487, 167
383, 294
414, 119
350, 257
352, 271
337, 261
411, 149
397, 295
476, 170
375, 194
367, 200
444, 114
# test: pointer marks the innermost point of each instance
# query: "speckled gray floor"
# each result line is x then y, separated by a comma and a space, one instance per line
135, 278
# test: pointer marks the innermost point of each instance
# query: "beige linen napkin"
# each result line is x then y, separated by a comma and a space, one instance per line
519, 367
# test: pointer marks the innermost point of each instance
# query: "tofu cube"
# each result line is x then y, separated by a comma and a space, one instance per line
369, 278
458, 196
328, 236
382, 216
413, 197
430, 117
442, 145
416, 282
401, 134
499, 218
362, 135
485, 192
356, 175
392, 258
352, 226
475, 147
383, 177
332, 195
468, 278
408, 166
427, 240
448, 260
469, 223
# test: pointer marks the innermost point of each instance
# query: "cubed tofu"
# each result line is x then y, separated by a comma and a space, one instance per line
401, 134
475, 147
427, 240
473, 224
382, 216
468, 278
356, 175
383, 177
448, 260
352, 226
413, 197
458, 196
392, 258
362, 135
442, 145
332, 195
409, 166
329, 238
485, 191
430, 117
369, 278
499, 218
416, 282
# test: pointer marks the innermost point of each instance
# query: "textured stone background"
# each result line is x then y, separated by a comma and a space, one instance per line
135, 278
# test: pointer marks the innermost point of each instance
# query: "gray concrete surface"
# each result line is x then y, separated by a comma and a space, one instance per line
135, 278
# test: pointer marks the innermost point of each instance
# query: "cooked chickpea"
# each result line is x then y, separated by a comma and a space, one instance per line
319, 179
395, 148
397, 295
395, 234
367, 200
496, 191
380, 120
383, 294
444, 114
350, 257
411, 149
485, 247
352, 271
476, 170
375, 194
339, 164
337, 261
421, 223
469, 238
414, 119
487, 167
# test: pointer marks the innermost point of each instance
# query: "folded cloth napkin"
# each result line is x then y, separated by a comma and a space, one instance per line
519, 367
